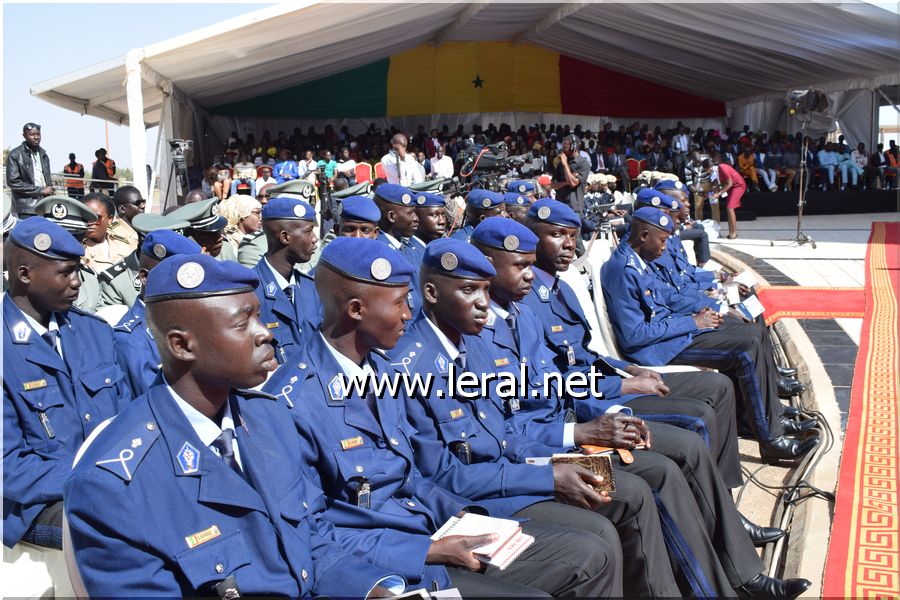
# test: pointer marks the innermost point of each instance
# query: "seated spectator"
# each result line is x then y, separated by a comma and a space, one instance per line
847, 164
747, 167
101, 249
768, 175
264, 177
790, 165
328, 163
222, 184
244, 217
286, 168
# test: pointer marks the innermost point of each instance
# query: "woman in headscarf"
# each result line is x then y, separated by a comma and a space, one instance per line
244, 217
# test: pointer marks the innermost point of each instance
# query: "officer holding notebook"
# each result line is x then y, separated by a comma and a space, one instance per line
382, 507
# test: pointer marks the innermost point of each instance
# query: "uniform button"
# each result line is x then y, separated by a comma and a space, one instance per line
220, 568
359, 469
410, 503
503, 443
481, 414
304, 575
150, 426
302, 365
524, 359
395, 442
87, 416
463, 434
305, 505
107, 381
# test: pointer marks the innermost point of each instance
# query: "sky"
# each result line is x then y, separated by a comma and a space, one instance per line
81, 35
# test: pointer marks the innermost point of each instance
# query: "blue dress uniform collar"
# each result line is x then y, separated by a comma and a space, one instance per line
21, 332
390, 240
278, 279
204, 427
449, 347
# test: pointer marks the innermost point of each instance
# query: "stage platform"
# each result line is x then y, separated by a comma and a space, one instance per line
782, 204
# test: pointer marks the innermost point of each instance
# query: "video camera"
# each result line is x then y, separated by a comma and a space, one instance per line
492, 158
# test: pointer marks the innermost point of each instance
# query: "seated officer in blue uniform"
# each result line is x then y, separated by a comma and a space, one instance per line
135, 347
289, 305
463, 444
674, 265
480, 204
516, 206
517, 340
195, 489
359, 217
399, 221
432, 213
650, 330
690, 231
60, 378
700, 400
381, 505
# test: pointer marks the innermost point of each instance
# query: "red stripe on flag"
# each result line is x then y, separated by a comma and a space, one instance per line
587, 89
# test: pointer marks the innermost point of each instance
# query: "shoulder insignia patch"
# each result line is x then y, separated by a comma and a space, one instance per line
544, 293
132, 450
189, 459
441, 363
336, 389
114, 271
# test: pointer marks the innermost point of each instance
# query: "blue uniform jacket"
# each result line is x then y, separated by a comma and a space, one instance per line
286, 170
154, 512
567, 333
670, 272
50, 405
464, 232
290, 322
408, 250
703, 278
416, 251
136, 350
647, 329
441, 421
346, 443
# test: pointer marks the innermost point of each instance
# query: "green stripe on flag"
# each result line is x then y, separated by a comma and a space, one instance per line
360, 92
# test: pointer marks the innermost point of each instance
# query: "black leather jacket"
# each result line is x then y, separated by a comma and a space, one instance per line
20, 178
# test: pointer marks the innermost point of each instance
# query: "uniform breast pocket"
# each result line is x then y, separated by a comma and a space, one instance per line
215, 560
301, 501
46, 414
458, 427
358, 463
101, 378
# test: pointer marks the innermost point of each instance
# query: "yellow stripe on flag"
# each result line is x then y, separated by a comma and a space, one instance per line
468, 77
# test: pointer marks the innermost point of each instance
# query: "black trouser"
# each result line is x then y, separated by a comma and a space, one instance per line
698, 235
709, 397
743, 352
720, 518
563, 562
690, 548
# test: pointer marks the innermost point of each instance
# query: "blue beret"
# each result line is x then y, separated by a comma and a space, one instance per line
47, 239
651, 197
655, 217
368, 261
456, 258
164, 243
287, 207
669, 184
424, 199
203, 215
504, 234
515, 199
521, 186
197, 276
395, 194
70, 214
554, 212
360, 208
484, 199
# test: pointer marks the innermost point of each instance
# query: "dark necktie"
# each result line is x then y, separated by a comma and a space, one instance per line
289, 292
511, 321
461, 360
50, 336
225, 445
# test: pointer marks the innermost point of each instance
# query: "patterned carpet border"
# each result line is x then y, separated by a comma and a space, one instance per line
864, 552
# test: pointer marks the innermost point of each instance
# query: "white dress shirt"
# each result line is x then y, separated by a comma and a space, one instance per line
410, 170
204, 427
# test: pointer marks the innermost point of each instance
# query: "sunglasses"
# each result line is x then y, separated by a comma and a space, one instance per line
31, 127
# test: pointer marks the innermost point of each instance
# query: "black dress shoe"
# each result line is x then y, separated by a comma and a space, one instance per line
792, 426
785, 448
763, 586
759, 535
787, 372
790, 412
789, 387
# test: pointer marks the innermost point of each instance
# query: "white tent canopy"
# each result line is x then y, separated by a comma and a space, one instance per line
748, 55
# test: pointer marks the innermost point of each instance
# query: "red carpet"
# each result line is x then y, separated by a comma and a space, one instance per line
864, 551
798, 302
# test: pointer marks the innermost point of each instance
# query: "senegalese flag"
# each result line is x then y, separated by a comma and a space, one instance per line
475, 77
